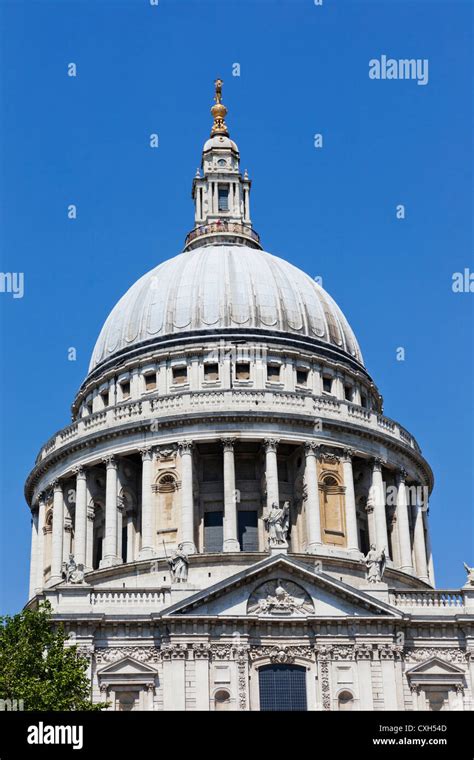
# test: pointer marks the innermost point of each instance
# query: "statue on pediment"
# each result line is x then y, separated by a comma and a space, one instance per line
277, 523
375, 562
179, 564
72, 572
470, 575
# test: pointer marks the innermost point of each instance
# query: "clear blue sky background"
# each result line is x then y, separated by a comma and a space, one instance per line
304, 69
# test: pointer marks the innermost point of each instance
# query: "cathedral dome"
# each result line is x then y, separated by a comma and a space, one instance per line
223, 289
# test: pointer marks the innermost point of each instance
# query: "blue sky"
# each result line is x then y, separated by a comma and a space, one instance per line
331, 211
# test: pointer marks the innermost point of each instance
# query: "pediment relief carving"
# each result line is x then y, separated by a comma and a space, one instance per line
280, 597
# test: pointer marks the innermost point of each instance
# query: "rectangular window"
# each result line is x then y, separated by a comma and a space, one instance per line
125, 387
363, 401
180, 375
302, 377
211, 372
248, 530
327, 384
273, 373
242, 371
223, 196
348, 392
213, 531
105, 398
150, 381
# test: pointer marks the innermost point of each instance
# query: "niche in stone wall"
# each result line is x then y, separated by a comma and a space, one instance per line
166, 490
331, 492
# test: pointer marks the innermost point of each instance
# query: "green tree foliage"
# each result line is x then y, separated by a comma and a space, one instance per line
37, 666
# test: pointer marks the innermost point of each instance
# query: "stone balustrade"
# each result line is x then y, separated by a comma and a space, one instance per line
266, 400
438, 599
131, 597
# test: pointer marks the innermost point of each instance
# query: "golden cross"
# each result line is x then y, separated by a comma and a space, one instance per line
218, 83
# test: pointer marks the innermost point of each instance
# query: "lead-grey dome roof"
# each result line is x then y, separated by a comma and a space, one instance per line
220, 287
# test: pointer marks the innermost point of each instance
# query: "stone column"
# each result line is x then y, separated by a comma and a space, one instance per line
246, 206
379, 506
403, 525
313, 513
429, 550
350, 502
174, 678
80, 526
187, 497
271, 472
110, 538
198, 203
201, 665
231, 543
40, 555
57, 537
34, 552
419, 542
120, 511
90, 537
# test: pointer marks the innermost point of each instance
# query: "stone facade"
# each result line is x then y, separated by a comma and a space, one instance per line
231, 508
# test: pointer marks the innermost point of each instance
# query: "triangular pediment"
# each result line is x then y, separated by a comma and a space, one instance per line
281, 587
127, 666
435, 667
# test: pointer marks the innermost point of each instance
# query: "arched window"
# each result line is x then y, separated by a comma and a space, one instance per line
167, 483
222, 700
345, 701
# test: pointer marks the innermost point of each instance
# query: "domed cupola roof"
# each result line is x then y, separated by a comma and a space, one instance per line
223, 284
223, 288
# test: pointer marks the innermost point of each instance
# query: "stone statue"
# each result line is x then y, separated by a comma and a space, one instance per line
375, 562
277, 523
72, 572
178, 564
470, 575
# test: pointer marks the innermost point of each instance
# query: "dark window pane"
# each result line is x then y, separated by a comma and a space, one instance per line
248, 530
282, 687
213, 531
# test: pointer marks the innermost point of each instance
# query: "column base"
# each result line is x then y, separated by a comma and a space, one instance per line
231, 545
110, 562
407, 569
146, 552
314, 548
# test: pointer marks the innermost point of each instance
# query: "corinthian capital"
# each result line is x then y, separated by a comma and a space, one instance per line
228, 444
402, 474
185, 447
377, 463
312, 449
271, 444
348, 454
110, 461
